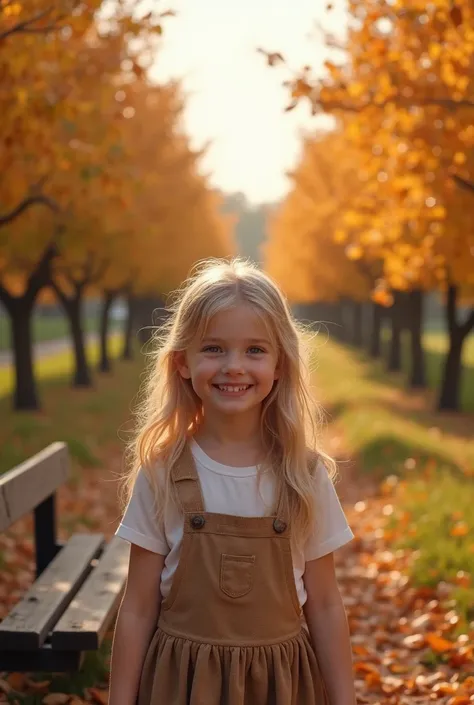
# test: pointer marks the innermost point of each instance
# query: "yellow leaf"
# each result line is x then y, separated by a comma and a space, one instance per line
434, 50
354, 252
459, 158
438, 212
340, 236
355, 90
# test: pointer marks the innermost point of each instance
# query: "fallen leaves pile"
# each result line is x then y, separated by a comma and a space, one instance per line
404, 643
405, 651
16, 685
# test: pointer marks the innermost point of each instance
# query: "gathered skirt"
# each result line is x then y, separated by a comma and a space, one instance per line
178, 671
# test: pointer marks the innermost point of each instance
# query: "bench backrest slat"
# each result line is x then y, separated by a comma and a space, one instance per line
27, 485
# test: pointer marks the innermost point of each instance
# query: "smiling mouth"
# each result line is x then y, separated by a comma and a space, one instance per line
232, 388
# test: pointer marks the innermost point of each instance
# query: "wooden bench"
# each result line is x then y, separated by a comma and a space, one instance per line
78, 585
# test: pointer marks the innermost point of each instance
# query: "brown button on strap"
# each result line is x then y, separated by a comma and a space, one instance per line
279, 526
197, 521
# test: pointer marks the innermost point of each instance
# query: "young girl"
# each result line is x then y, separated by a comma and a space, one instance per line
231, 514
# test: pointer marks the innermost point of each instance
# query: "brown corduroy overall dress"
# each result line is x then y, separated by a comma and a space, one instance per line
230, 630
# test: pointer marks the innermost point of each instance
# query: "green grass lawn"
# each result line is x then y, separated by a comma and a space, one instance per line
390, 432
89, 420
436, 346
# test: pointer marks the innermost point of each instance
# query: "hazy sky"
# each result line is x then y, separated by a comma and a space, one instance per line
234, 99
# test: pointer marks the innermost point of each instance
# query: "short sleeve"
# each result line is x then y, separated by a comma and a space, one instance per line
139, 523
331, 529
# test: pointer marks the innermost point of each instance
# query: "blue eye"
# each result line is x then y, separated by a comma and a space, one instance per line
256, 349
211, 348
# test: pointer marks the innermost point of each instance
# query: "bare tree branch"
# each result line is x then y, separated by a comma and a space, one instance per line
27, 203
463, 183
28, 26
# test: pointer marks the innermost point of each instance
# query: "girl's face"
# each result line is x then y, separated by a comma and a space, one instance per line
233, 367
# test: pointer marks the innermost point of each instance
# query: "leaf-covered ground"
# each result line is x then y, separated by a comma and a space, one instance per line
413, 637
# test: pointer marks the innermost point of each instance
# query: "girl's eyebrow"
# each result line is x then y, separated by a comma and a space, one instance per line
247, 340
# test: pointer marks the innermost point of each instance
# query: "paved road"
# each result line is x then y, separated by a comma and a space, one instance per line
49, 347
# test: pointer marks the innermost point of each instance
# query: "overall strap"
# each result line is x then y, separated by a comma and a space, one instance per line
186, 482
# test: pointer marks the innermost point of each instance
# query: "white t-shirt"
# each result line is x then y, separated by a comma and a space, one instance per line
231, 490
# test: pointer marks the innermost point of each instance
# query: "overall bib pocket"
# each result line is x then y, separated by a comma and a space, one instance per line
236, 576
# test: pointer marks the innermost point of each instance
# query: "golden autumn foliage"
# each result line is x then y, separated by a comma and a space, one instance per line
402, 98
81, 124
307, 250
403, 95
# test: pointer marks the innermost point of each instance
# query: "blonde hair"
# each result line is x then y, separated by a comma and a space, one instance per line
171, 412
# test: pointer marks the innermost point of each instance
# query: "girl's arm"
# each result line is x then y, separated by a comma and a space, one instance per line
327, 622
136, 623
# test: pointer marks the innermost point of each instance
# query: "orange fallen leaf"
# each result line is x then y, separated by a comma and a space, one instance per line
56, 699
16, 680
438, 644
365, 667
100, 696
444, 688
400, 668
468, 685
459, 529
460, 700
360, 650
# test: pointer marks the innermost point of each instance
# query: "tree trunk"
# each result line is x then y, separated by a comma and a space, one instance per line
25, 394
20, 309
357, 322
375, 345
415, 313
127, 351
395, 350
336, 320
72, 305
452, 373
150, 313
107, 301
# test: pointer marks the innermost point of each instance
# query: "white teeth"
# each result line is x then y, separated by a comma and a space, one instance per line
232, 388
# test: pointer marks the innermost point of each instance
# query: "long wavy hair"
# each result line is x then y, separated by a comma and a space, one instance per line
170, 411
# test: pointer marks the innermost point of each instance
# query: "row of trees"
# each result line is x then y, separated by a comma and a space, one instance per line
381, 207
101, 193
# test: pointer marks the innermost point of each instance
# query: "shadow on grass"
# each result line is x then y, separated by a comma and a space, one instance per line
420, 405
388, 455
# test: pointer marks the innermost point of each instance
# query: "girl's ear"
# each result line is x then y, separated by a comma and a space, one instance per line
181, 363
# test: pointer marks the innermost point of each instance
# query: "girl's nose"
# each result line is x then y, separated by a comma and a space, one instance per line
233, 364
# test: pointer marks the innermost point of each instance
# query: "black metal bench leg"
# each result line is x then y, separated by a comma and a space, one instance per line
45, 533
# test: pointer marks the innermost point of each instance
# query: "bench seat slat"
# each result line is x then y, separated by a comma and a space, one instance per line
87, 618
28, 624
